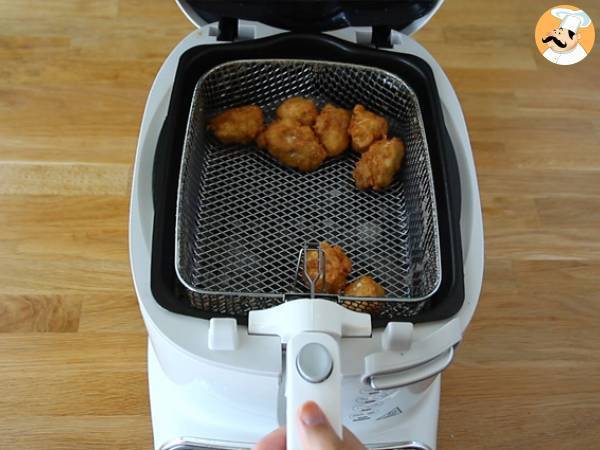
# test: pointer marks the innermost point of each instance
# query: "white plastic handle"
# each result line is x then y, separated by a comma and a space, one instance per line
300, 323
298, 389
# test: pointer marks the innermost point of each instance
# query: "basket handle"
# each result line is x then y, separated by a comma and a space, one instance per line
311, 329
313, 374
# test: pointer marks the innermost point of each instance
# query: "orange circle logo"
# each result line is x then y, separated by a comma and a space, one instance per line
564, 35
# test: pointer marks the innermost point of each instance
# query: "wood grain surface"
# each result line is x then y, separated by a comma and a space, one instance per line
74, 76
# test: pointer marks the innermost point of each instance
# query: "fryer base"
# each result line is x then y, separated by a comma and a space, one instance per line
182, 411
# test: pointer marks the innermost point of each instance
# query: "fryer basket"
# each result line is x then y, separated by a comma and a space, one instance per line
242, 217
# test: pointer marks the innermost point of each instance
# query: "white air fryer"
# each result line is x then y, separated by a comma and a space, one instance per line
237, 342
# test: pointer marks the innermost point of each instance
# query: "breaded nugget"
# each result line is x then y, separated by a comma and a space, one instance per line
337, 268
365, 128
364, 286
238, 125
293, 144
298, 108
378, 166
261, 139
375, 308
332, 128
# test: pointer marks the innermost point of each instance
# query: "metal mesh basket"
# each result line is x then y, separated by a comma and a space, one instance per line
242, 217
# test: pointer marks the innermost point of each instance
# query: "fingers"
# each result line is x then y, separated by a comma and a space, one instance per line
351, 442
272, 441
317, 434
315, 431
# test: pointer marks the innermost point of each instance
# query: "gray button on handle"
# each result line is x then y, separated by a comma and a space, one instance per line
314, 363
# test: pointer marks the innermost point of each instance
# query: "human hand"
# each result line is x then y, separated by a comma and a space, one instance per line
315, 433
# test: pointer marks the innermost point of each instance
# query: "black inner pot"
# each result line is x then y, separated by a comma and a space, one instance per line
166, 287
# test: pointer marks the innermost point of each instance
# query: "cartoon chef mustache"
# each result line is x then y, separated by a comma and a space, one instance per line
556, 41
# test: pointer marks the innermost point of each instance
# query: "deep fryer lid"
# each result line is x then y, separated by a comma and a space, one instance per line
414, 71
316, 16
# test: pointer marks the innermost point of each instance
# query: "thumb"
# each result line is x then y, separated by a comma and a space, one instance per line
315, 431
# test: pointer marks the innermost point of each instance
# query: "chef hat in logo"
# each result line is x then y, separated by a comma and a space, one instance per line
572, 20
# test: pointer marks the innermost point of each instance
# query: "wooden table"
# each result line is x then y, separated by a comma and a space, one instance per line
74, 76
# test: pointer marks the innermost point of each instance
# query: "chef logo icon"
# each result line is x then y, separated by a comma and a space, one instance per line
564, 35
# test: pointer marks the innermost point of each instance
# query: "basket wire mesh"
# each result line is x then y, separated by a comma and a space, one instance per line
242, 217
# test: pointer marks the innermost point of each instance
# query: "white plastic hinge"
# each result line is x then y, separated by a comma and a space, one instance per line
364, 36
223, 334
397, 336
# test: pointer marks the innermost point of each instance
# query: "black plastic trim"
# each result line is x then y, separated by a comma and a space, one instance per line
381, 36
311, 16
414, 71
228, 29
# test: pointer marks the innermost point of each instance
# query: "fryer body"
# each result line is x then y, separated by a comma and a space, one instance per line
237, 395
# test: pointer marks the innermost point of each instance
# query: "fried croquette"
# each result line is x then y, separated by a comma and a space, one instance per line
378, 166
337, 268
365, 128
293, 144
238, 125
364, 286
298, 108
332, 128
